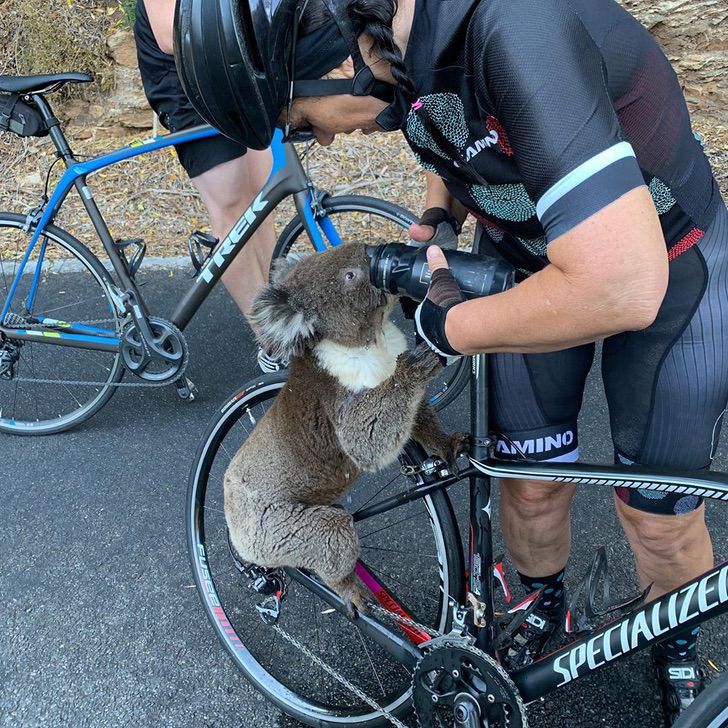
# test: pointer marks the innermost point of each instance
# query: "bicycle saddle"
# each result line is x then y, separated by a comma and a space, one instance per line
38, 84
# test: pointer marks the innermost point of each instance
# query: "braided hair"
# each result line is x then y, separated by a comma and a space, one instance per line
375, 17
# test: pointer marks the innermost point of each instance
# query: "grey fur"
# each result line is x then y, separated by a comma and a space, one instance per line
318, 434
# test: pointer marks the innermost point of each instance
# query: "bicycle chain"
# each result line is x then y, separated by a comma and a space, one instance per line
436, 636
82, 383
382, 612
355, 689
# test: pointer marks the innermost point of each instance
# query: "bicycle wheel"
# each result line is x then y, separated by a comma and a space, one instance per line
373, 221
36, 393
710, 709
424, 576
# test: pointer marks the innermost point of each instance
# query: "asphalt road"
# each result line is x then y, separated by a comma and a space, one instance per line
101, 626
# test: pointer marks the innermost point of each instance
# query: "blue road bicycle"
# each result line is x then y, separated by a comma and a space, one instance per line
71, 327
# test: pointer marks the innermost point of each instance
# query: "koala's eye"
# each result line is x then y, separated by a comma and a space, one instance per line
349, 275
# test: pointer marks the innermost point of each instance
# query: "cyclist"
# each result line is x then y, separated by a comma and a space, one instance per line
225, 173
562, 128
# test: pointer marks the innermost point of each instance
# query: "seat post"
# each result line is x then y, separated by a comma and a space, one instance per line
54, 128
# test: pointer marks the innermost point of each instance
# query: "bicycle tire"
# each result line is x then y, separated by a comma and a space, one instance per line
456, 377
12, 422
200, 507
710, 708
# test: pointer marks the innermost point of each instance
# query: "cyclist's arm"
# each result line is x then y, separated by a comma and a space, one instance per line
541, 70
161, 18
607, 275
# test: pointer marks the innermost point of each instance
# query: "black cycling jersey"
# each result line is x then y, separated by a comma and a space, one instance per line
539, 114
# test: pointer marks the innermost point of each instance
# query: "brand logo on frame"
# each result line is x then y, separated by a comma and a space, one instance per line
647, 624
233, 238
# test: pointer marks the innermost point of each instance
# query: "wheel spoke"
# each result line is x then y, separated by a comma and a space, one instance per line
55, 405
304, 616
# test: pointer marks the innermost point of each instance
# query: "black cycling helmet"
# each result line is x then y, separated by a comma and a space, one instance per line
235, 60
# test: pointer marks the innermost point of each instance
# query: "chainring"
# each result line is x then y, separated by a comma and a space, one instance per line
155, 369
453, 675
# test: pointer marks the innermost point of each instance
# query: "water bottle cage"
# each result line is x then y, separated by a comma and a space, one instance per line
597, 606
137, 256
200, 246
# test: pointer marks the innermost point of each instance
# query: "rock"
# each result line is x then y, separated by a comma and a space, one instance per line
30, 181
694, 35
122, 48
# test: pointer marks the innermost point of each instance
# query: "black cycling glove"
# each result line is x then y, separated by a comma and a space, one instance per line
447, 228
442, 294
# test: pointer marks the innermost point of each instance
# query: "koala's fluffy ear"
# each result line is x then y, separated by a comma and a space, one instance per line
282, 329
282, 265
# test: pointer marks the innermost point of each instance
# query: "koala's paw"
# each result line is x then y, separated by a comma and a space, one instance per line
451, 447
356, 597
457, 442
421, 362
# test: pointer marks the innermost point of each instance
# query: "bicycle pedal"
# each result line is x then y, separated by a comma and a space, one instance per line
597, 605
200, 246
520, 613
186, 389
132, 263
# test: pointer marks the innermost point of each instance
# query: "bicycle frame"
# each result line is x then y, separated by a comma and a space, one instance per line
287, 178
690, 604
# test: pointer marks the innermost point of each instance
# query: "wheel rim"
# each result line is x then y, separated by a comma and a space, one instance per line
69, 289
229, 604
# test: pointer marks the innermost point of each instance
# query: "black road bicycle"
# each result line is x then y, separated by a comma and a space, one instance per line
431, 642
71, 327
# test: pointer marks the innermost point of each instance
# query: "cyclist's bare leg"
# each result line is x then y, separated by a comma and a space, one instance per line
669, 550
536, 524
227, 190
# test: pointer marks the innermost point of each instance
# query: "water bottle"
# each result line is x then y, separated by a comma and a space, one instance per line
402, 269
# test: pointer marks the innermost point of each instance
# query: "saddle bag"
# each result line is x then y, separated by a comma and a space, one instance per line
20, 117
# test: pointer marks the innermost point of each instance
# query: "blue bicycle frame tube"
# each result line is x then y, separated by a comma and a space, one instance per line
286, 178
81, 170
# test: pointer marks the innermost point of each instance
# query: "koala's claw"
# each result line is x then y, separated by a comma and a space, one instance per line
356, 597
451, 447
423, 361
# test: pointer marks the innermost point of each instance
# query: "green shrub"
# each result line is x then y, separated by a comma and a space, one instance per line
128, 11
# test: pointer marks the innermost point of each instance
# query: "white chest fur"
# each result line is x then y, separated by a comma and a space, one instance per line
362, 367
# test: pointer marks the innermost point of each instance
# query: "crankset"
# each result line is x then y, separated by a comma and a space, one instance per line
157, 355
457, 685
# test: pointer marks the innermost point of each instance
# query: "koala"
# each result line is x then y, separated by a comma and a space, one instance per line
355, 395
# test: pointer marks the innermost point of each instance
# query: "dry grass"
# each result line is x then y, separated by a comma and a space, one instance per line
150, 196
51, 36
